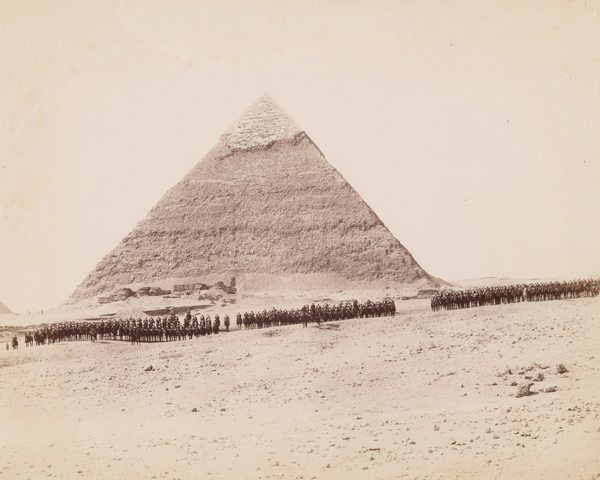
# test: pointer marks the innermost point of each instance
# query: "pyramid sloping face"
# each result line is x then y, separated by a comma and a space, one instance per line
4, 309
263, 201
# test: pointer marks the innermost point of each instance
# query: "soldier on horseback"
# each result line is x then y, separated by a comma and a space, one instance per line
208, 325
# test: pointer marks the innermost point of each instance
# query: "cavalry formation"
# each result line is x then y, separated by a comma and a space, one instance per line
170, 328
530, 292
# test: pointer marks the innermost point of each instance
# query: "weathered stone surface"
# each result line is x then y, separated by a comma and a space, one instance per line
560, 368
523, 390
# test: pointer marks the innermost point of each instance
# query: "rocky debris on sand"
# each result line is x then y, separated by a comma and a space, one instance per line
213, 295
549, 389
523, 390
528, 372
149, 369
560, 368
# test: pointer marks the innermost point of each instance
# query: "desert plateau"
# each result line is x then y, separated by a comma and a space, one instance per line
422, 395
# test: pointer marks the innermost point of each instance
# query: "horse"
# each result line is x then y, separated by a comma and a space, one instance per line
133, 335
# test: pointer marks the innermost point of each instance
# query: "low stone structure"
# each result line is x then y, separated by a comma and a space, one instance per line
125, 293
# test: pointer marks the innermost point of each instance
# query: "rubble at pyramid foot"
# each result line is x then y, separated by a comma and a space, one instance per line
177, 291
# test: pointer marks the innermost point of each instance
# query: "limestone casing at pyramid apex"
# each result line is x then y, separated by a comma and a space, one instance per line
262, 124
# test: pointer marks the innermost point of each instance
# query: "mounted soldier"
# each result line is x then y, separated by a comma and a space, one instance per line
208, 325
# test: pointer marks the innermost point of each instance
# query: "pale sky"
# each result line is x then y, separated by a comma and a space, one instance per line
472, 128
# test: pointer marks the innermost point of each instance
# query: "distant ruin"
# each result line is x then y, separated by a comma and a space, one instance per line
4, 309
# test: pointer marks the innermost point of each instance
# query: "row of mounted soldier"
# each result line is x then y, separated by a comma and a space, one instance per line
170, 328
502, 294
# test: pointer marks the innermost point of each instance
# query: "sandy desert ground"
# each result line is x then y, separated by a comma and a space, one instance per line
421, 395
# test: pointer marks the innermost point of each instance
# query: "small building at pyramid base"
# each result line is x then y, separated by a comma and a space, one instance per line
266, 208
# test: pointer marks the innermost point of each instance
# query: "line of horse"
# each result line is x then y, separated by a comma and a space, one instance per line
502, 294
170, 328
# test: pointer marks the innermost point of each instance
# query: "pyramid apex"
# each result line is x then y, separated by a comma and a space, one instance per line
263, 123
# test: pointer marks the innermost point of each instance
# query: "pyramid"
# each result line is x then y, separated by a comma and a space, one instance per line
4, 309
264, 200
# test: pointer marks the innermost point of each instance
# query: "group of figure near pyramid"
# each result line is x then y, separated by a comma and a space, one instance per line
317, 314
170, 328
499, 294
